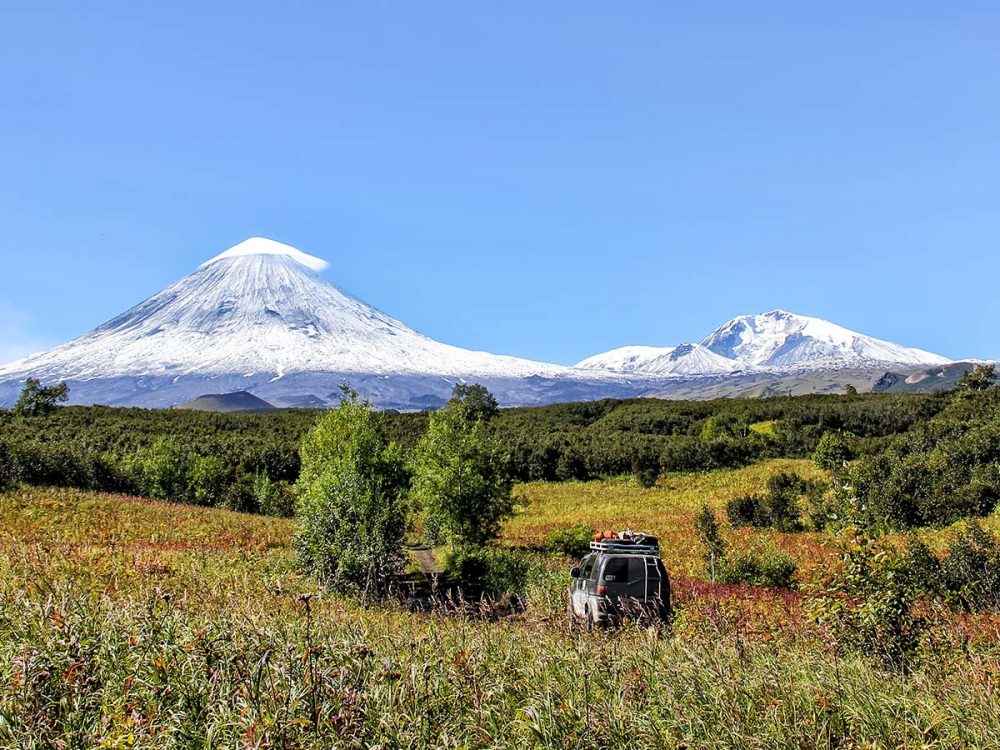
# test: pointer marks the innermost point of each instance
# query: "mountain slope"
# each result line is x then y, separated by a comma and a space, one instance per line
260, 307
259, 316
785, 340
653, 361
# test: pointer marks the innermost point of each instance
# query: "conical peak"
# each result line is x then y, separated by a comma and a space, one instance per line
264, 246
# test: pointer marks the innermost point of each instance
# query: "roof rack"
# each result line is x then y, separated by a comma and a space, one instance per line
624, 547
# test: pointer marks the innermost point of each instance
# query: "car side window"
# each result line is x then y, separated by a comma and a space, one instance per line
587, 567
616, 570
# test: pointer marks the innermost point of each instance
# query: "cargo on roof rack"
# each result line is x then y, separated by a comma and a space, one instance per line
626, 542
623, 547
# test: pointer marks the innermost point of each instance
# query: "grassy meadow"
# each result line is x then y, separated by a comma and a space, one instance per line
130, 623
667, 510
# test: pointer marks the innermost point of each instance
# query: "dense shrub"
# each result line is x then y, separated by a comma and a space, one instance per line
272, 498
833, 452
761, 566
352, 512
967, 575
10, 471
571, 542
779, 507
940, 471
647, 478
490, 571
747, 510
868, 605
922, 569
971, 569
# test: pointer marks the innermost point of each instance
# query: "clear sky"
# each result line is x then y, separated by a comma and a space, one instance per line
546, 179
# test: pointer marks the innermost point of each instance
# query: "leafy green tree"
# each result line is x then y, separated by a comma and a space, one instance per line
706, 526
351, 510
981, 378
480, 405
833, 452
37, 400
162, 470
461, 478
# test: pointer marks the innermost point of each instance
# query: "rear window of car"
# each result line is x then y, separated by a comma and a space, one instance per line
616, 570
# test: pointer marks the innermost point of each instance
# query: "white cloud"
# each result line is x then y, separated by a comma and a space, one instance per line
16, 337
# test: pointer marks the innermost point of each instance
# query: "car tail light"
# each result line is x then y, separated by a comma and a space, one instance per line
601, 589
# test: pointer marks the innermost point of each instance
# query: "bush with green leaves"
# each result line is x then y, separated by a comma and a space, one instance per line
940, 471
833, 452
461, 479
10, 470
764, 566
490, 571
971, 569
571, 542
922, 569
647, 478
272, 498
779, 507
868, 604
352, 512
747, 510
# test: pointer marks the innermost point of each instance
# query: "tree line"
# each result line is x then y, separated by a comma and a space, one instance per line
914, 459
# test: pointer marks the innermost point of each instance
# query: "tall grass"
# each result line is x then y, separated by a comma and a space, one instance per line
153, 630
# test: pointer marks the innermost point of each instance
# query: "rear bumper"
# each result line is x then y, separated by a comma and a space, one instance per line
606, 611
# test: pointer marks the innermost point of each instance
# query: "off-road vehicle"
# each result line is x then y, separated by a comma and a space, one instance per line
622, 576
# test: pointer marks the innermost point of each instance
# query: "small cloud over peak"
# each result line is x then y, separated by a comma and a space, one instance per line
265, 246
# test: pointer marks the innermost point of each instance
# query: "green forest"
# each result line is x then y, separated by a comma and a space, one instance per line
911, 459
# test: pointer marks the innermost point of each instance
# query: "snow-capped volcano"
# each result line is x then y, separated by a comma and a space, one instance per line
782, 339
660, 361
254, 315
777, 342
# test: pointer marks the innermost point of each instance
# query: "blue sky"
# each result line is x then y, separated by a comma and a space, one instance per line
546, 179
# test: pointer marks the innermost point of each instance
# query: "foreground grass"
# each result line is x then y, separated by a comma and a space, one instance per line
125, 623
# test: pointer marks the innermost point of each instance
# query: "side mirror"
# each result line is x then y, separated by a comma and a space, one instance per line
575, 572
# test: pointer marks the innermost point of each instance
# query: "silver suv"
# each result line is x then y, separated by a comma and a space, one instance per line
622, 576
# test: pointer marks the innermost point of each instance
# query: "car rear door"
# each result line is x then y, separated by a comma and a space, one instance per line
615, 579
578, 589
